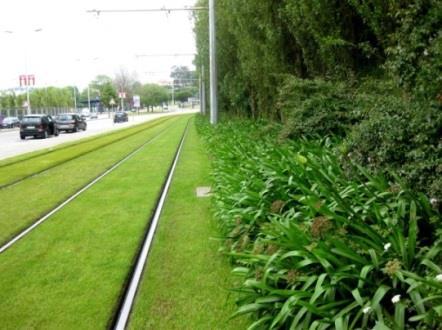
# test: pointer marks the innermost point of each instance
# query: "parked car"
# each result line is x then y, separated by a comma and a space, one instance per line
10, 122
38, 125
94, 115
70, 122
120, 116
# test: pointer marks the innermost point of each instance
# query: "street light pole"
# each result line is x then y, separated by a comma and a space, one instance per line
213, 75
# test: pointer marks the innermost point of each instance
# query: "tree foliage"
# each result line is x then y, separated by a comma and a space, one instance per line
152, 94
260, 40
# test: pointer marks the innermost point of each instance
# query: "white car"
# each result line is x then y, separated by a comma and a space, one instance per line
10, 122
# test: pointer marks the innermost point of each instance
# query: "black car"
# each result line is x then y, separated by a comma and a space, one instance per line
38, 126
70, 122
120, 117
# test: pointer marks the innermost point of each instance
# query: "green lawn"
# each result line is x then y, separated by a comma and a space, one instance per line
186, 281
22, 166
69, 272
26, 201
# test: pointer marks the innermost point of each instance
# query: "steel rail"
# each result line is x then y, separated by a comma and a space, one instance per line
26, 231
125, 306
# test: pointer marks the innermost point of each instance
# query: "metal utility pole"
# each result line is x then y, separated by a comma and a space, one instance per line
203, 91
213, 75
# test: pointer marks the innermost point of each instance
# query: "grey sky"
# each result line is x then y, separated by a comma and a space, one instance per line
73, 46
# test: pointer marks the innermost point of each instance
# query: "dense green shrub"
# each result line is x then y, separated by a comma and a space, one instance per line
319, 250
315, 108
405, 137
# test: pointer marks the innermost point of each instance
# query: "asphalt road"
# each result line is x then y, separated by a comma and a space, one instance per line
11, 145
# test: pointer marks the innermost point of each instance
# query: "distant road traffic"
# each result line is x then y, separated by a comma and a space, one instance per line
11, 145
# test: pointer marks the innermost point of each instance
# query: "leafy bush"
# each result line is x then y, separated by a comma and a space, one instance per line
315, 249
315, 107
404, 137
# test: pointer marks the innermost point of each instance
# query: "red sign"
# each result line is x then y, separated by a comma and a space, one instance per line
122, 95
27, 80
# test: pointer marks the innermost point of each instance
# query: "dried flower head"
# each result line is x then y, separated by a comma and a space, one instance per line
392, 267
292, 276
271, 249
277, 206
258, 248
259, 274
342, 231
236, 231
395, 188
244, 241
320, 226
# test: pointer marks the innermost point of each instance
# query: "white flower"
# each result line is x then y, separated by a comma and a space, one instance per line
387, 246
439, 278
396, 299
426, 52
433, 201
366, 310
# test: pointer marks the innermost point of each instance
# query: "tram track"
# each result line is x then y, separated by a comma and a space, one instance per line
5, 246
122, 314
68, 159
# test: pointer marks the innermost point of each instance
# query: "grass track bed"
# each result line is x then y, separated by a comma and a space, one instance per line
185, 283
26, 201
23, 167
69, 272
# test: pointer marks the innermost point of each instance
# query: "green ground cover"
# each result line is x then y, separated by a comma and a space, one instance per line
186, 282
69, 273
26, 201
316, 248
15, 169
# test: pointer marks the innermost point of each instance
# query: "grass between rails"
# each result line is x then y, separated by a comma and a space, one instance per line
26, 201
69, 273
186, 282
23, 167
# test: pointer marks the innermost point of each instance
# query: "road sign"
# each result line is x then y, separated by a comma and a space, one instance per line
27, 80
112, 102
122, 95
136, 99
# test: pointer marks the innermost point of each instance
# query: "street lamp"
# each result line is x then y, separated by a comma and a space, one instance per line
28, 99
